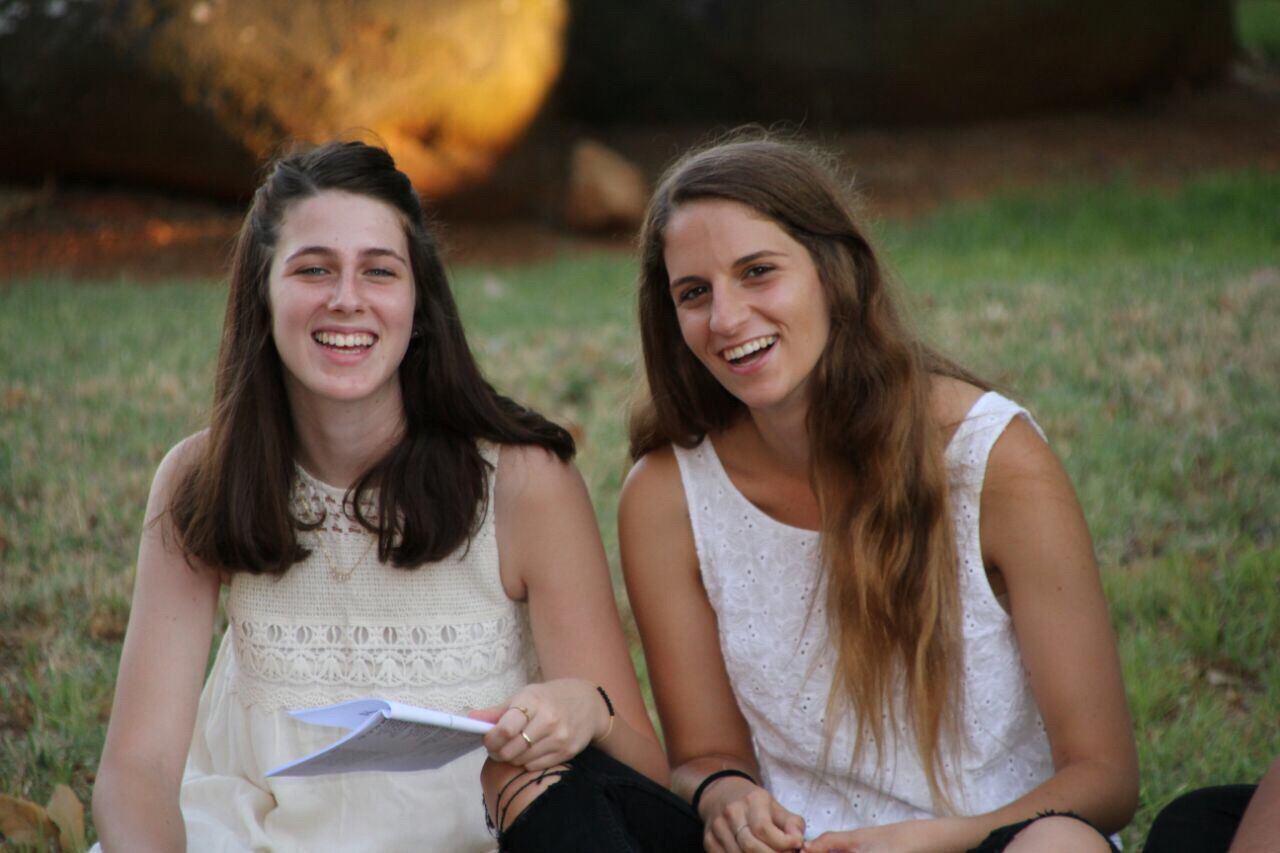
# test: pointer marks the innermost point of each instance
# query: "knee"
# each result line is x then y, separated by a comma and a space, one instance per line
1058, 834
510, 790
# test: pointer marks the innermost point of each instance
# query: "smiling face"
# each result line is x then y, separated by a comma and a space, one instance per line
748, 300
341, 293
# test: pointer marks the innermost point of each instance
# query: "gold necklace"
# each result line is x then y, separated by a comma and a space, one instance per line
336, 570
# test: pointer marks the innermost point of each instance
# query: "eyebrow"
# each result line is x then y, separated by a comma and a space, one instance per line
325, 250
743, 261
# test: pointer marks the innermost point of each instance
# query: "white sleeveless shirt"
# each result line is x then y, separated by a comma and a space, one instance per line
337, 626
764, 580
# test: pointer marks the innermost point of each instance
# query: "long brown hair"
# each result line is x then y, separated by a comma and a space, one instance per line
232, 510
877, 464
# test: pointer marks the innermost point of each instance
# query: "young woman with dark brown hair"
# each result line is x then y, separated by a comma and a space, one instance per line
866, 591
385, 524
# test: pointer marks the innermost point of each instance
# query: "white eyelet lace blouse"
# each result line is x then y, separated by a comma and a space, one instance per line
764, 581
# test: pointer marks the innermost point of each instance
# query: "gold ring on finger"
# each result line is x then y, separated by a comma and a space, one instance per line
526, 738
525, 711
739, 829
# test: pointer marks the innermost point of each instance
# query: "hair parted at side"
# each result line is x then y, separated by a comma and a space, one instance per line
232, 509
887, 544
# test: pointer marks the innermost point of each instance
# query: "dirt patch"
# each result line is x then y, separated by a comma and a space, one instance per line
106, 233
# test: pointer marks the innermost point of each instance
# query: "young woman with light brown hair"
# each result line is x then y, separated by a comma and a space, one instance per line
866, 591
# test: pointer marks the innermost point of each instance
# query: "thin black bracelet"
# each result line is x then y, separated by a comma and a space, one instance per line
609, 705
719, 774
605, 697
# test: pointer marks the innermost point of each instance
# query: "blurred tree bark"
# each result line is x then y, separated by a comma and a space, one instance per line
851, 61
195, 94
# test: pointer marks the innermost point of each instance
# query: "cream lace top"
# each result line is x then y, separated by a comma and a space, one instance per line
338, 626
764, 581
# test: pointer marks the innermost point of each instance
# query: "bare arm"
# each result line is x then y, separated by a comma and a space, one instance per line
551, 554
1260, 827
704, 728
1034, 534
166, 647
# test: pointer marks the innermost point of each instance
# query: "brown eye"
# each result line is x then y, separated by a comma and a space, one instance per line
691, 293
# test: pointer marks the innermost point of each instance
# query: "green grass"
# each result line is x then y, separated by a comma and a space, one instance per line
1138, 325
1258, 28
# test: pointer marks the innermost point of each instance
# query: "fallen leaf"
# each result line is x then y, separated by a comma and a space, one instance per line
23, 822
106, 625
14, 396
67, 813
18, 714
1218, 678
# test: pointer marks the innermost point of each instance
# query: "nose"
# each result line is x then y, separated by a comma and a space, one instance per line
728, 310
345, 298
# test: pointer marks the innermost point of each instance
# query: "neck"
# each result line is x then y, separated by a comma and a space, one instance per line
339, 441
785, 437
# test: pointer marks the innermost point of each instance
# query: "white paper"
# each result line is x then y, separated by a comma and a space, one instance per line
385, 736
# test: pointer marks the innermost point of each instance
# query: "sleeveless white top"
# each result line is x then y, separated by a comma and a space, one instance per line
337, 626
764, 580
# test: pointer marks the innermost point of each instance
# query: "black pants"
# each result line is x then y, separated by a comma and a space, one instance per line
602, 804
1003, 836
1203, 820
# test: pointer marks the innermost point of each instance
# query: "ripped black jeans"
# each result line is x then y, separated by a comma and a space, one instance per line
600, 804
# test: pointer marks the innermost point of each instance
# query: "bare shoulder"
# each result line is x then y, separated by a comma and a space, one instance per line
655, 532
173, 469
530, 474
177, 462
1021, 460
950, 400
1030, 507
545, 524
653, 486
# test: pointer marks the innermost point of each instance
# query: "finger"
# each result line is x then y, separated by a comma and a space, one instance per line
723, 833
515, 748
765, 817
546, 746
750, 842
505, 727
710, 843
775, 838
830, 842
735, 835
788, 826
488, 715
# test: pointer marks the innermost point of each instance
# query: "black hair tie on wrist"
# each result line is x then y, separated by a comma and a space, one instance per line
719, 774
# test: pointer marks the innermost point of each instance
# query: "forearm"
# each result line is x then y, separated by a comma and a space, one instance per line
686, 778
638, 751
135, 809
1103, 794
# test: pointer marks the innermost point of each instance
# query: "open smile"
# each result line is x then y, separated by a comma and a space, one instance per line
345, 342
749, 351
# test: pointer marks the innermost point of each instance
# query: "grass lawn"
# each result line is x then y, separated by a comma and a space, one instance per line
1258, 29
1139, 325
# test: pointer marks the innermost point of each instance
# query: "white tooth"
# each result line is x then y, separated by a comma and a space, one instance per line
749, 347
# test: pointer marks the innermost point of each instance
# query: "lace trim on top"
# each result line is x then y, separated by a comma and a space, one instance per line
443, 634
